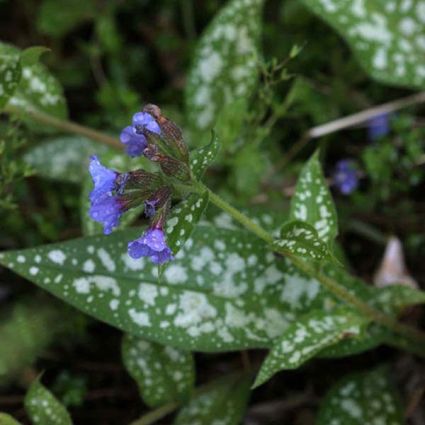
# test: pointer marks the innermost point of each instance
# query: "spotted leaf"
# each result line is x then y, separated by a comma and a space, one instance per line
362, 398
44, 408
162, 373
306, 338
301, 239
225, 68
222, 403
63, 158
31, 55
10, 74
312, 201
201, 158
387, 36
37, 88
224, 291
183, 219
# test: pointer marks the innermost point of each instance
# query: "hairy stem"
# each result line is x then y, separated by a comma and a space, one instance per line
330, 284
64, 125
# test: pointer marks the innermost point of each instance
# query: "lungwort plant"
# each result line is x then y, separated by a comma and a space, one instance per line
203, 275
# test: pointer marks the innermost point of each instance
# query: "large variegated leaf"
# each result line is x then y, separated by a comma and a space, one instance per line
224, 402
308, 336
44, 408
225, 68
163, 373
222, 292
360, 399
312, 201
387, 36
63, 158
37, 88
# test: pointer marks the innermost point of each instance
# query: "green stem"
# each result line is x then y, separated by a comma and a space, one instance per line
333, 286
64, 125
154, 415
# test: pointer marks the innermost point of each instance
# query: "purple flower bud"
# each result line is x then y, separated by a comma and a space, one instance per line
345, 176
151, 244
133, 136
378, 126
105, 207
150, 207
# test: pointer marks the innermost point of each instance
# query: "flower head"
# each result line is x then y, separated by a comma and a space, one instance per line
378, 126
151, 244
345, 176
133, 136
105, 206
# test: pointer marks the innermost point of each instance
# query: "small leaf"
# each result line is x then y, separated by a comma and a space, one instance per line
386, 36
37, 89
63, 158
307, 337
201, 158
163, 373
312, 201
6, 419
222, 403
225, 68
31, 55
10, 74
301, 239
44, 408
362, 398
183, 219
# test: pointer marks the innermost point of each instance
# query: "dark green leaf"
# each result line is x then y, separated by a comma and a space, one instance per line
43, 407
183, 219
360, 399
387, 36
163, 373
225, 67
301, 239
201, 158
10, 74
312, 201
222, 403
307, 337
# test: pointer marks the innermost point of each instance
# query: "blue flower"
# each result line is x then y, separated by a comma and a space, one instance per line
345, 176
378, 126
151, 244
133, 136
105, 206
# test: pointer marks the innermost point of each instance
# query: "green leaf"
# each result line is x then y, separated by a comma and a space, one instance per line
312, 201
31, 55
162, 373
387, 37
301, 239
183, 219
10, 74
201, 158
224, 402
37, 89
44, 408
6, 419
307, 337
362, 398
56, 19
223, 291
225, 67
63, 158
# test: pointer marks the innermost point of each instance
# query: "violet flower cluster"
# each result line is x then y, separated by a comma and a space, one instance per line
160, 140
345, 176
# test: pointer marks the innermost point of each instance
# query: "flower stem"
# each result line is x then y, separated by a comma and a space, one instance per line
64, 125
330, 284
